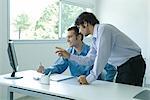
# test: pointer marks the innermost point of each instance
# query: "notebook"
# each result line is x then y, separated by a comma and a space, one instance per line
60, 77
143, 95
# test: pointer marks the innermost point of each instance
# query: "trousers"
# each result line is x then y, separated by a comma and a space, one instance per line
132, 71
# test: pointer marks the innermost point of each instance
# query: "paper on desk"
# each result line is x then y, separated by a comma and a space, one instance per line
53, 77
60, 77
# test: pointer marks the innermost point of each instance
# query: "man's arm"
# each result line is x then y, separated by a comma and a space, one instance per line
58, 67
82, 60
103, 53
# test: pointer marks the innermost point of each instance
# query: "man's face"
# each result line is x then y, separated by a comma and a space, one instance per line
84, 30
72, 39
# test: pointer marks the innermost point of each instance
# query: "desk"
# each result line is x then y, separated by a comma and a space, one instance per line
69, 89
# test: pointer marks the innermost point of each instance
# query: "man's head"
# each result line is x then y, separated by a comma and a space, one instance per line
85, 21
74, 38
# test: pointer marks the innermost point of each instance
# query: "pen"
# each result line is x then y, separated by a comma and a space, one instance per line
65, 79
40, 63
50, 72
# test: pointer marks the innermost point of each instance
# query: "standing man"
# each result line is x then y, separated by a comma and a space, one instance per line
76, 47
109, 45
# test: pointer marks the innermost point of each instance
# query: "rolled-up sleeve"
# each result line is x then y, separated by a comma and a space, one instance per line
84, 60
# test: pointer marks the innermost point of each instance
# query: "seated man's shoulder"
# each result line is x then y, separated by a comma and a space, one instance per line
86, 47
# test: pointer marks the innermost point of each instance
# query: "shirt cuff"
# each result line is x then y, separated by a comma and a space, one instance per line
72, 57
47, 70
90, 78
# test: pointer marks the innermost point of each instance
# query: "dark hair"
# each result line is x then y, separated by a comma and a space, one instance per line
86, 17
76, 31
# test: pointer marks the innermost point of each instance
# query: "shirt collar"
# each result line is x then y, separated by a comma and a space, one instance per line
95, 31
82, 49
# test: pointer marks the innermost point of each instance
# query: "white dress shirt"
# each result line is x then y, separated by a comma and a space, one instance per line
108, 45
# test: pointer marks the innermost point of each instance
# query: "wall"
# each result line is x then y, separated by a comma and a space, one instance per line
148, 51
3, 41
31, 54
130, 16
0, 33
3, 37
0, 41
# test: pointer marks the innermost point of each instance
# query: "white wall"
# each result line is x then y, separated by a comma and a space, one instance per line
148, 51
0, 42
0, 33
3, 41
3, 37
130, 16
31, 54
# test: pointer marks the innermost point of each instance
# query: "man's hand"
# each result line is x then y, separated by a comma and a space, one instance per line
40, 69
62, 52
82, 80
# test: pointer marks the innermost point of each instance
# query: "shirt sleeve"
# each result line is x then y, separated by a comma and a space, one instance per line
59, 66
103, 53
87, 60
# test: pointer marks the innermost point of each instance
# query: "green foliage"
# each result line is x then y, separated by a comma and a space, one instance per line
22, 23
69, 14
48, 22
47, 25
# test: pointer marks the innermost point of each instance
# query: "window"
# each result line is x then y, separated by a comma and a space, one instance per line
42, 19
69, 14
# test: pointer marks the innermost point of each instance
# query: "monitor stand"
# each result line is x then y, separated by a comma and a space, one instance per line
13, 76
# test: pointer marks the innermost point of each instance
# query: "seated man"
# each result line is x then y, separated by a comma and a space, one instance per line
76, 47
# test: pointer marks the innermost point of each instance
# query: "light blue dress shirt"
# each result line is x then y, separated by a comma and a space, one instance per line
109, 45
76, 70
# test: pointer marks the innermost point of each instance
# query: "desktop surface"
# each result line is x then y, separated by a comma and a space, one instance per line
101, 90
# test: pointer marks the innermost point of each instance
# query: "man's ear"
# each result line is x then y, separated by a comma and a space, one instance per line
85, 24
79, 37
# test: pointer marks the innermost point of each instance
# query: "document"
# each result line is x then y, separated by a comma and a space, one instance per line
53, 77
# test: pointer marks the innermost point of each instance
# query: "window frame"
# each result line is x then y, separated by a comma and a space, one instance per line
60, 37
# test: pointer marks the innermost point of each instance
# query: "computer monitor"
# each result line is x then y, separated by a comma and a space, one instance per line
13, 60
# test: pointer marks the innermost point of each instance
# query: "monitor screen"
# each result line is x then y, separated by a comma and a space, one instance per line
13, 60
12, 56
